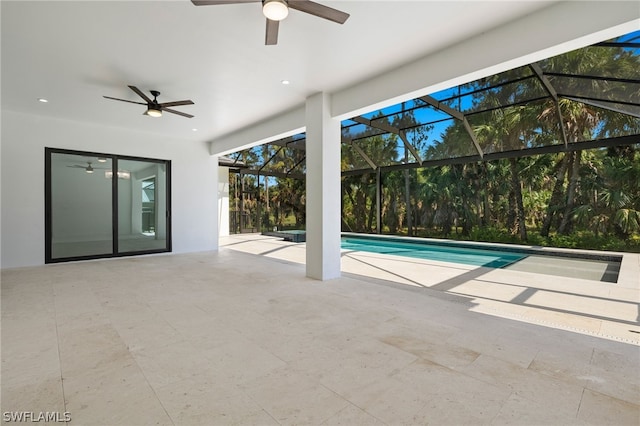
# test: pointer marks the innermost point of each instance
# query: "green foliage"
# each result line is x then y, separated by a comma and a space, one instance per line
474, 201
574, 199
585, 240
589, 240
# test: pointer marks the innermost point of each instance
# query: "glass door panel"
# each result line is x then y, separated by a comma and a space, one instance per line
81, 219
142, 206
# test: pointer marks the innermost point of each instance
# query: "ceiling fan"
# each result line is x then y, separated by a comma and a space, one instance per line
276, 10
88, 168
154, 109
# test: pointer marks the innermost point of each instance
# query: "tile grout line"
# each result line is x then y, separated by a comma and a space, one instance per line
146, 379
353, 404
349, 402
142, 370
580, 404
584, 388
242, 389
154, 393
513, 393
64, 398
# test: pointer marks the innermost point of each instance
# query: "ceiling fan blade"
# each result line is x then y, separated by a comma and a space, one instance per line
124, 100
176, 103
319, 10
139, 93
271, 36
173, 111
215, 2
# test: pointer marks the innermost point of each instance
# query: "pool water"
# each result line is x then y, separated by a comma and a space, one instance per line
444, 253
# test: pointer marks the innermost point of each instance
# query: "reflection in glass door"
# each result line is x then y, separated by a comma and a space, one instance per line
142, 206
149, 207
100, 205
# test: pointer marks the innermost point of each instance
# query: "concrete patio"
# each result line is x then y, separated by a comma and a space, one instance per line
235, 337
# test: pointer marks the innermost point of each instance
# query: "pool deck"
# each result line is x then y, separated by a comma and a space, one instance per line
606, 310
240, 336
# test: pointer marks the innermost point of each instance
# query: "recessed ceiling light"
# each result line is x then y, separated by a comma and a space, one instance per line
285, 82
195, 130
43, 100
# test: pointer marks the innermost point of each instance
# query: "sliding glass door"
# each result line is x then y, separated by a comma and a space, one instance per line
105, 205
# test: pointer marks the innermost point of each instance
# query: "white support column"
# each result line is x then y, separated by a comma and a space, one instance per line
223, 201
323, 189
215, 176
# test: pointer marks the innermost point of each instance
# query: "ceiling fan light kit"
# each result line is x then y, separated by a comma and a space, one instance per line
153, 112
276, 10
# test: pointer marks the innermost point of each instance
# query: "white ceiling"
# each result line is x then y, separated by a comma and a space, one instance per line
72, 53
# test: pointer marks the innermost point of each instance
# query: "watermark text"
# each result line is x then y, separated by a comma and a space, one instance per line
35, 417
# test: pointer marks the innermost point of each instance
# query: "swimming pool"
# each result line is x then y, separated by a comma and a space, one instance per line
557, 262
440, 252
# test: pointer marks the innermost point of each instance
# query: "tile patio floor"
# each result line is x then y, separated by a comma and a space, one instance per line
231, 337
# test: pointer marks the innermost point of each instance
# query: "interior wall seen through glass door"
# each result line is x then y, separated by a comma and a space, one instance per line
81, 213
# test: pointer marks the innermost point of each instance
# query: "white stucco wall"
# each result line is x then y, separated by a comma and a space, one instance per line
194, 181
